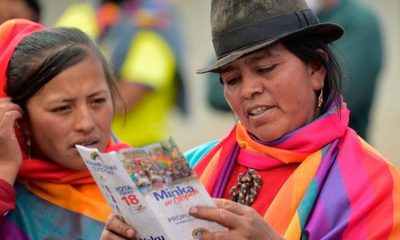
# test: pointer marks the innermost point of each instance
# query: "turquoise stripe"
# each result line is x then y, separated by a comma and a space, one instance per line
306, 205
308, 202
40, 219
193, 156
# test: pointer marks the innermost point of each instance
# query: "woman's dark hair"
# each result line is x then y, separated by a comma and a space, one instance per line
43, 55
304, 47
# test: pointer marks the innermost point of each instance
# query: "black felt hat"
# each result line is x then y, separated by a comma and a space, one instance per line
240, 27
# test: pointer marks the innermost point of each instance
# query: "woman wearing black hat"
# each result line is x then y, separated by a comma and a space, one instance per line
291, 166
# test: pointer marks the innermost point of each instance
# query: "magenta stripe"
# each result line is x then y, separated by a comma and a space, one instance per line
225, 174
10, 231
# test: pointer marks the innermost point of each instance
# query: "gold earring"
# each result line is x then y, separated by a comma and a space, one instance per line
321, 98
28, 144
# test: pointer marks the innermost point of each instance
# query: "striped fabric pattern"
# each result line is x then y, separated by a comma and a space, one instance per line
342, 188
37, 218
56, 203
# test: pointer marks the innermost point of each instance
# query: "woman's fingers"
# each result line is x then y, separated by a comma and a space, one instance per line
232, 206
7, 120
9, 112
10, 151
222, 214
7, 105
115, 228
243, 222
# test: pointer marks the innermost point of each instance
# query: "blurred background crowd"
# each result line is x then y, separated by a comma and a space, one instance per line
196, 122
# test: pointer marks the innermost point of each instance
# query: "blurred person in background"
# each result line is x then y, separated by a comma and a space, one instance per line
143, 41
361, 51
27, 9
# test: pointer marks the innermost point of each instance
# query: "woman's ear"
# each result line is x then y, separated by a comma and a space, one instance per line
318, 71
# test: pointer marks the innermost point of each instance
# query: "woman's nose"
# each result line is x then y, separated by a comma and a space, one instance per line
84, 120
252, 86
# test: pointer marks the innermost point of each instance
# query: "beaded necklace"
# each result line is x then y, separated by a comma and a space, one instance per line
245, 191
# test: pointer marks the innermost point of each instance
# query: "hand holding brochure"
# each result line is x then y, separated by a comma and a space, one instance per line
152, 189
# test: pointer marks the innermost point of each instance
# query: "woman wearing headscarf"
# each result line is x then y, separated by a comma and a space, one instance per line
56, 91
290, 167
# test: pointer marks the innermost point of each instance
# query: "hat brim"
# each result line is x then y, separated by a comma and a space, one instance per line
328, 31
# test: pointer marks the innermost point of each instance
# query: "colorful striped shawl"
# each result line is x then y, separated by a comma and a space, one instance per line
342, 187
50, 196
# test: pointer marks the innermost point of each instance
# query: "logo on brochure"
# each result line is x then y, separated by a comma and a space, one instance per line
172, 193
94, 156
175, 195
197, 232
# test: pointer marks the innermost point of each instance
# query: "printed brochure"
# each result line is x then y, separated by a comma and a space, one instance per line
152, 189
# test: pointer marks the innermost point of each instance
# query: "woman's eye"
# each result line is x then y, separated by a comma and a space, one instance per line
230, 81
98, 101
266, 69
61, 109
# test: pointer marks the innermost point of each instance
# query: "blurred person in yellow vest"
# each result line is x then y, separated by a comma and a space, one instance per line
143, 42
27, 9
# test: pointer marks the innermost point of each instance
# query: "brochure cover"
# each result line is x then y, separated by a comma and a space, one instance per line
152, 189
